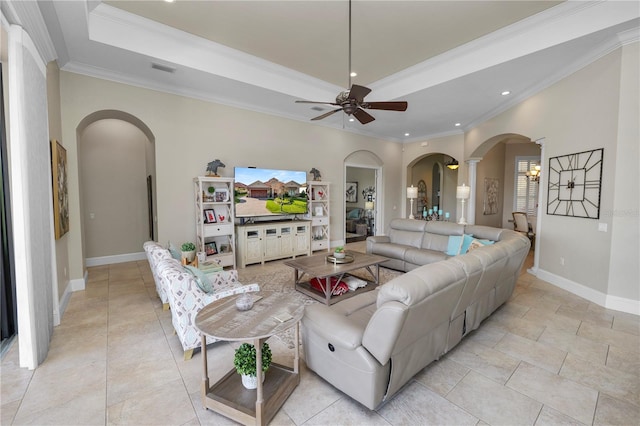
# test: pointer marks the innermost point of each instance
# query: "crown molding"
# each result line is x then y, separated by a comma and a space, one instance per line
27, 15
593, 55
118, 28
559, 24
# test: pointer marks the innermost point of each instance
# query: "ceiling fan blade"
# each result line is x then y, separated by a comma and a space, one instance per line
358, 92
389, 106
363, 116
326, 114
315, 102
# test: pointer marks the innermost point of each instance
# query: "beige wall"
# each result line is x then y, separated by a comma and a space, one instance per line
577, 114
491, 167
55, 132
190, 133
114, 188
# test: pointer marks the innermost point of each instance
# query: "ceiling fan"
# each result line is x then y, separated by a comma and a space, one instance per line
352, 101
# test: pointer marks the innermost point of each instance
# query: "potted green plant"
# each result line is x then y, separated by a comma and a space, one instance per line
338, 252
188, 251
211, 190
245, 363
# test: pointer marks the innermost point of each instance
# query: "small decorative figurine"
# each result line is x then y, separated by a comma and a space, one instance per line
212, 167
316, 174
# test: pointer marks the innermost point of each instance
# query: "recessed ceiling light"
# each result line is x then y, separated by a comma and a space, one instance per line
458, 124
353, 74
352, 119
505, 93
169, 1
407, 134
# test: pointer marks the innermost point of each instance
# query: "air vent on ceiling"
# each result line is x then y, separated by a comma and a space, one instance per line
162, 68
317, 108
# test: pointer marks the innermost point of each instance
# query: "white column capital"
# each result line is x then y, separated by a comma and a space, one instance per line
540, 141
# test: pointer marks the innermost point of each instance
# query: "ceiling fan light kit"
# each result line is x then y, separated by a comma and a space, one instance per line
352, 101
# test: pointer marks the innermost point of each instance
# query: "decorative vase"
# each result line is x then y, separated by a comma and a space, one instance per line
244, 302
251, 382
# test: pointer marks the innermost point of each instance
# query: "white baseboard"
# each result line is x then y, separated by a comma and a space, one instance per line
64, 300
608, 301
118, 258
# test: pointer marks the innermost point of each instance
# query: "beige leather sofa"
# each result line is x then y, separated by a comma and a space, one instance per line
370, 345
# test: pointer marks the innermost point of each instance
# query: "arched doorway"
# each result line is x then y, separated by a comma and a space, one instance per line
363, 215
436, 184
116, 159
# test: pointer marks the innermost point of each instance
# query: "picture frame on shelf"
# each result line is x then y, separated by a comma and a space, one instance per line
319, 211
221, 195
210, 216
210, 248
225, 248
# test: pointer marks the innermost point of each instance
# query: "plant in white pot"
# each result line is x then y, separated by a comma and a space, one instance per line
188, 251
339, 253
245, 363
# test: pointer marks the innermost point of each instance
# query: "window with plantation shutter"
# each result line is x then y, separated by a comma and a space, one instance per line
525, 198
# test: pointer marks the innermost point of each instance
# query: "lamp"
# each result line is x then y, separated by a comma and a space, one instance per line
412, 194
453, 164
534, 174
462, 193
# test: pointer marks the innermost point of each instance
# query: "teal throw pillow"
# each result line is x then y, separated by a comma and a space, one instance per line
175, 253
201, 279
453, 247
354, 214
458, 244
466, 242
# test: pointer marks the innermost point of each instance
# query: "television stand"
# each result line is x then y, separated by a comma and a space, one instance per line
263, 241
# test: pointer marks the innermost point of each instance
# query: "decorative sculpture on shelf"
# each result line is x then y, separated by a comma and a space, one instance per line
212, 167
316, 174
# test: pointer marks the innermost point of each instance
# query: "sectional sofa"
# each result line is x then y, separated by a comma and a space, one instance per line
372, 344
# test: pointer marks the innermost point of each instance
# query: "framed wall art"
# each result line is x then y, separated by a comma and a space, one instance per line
351, 192
491, 186
575, 181
60, 191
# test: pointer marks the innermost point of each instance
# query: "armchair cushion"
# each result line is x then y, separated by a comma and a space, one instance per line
201, 279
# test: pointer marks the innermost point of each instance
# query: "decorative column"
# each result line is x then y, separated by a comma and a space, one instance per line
471, 209
541, 184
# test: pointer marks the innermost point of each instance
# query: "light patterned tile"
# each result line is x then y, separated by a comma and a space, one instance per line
619, 384
623, 360
441, 376
579, 346
83, 409
487, 335
626, 341
417, 405
349, 412
138, 376
550, 319
627, 323
514, 325
550, 417
536, 353
492, 402
613, 411
568, 397
169, 403
600, 319
489, 362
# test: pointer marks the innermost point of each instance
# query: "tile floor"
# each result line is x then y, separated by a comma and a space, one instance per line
545, 357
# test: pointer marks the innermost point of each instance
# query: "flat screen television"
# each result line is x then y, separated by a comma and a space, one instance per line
269, 192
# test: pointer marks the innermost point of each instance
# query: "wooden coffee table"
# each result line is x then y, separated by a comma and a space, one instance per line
223, 321
318, 266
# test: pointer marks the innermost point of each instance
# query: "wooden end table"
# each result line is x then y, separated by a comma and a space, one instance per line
223, 321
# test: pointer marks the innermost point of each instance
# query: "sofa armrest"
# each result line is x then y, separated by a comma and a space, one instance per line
373, 240
332, 326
